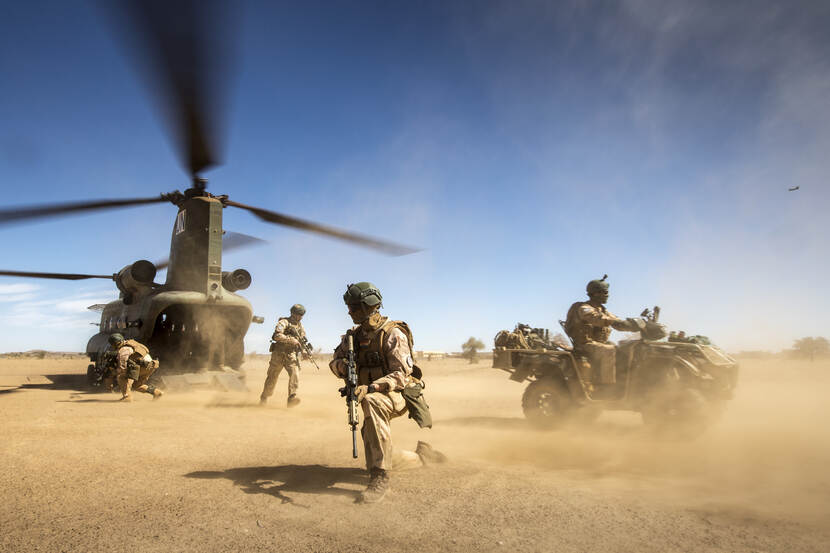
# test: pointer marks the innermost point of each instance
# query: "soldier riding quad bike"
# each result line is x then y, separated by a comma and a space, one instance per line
679, 387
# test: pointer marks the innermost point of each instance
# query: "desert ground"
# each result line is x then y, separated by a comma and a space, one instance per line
212, 471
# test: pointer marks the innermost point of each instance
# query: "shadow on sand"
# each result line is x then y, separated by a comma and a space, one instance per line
69, 382
275, 481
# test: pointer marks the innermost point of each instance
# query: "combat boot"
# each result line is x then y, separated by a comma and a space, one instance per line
428, 455
126, 389
157, 393
376, 490
293, 400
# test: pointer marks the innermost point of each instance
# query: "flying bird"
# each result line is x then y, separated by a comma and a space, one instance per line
793, 189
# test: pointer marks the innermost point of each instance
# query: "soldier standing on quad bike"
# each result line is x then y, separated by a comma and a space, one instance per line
589, 325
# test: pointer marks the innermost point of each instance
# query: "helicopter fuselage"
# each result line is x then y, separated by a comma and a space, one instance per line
192, 321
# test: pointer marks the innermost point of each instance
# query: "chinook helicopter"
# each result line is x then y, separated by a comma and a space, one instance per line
194, 320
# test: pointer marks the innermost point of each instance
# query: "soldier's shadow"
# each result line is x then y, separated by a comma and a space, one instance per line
69, 382
275, 481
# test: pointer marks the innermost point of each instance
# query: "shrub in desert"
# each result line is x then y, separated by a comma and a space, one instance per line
470, 349
811, 347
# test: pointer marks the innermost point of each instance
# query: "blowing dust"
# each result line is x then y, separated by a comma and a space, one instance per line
768, 454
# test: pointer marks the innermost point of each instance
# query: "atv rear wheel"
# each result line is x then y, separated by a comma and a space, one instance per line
547, 404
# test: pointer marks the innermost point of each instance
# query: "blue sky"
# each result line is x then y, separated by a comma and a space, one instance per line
527, 146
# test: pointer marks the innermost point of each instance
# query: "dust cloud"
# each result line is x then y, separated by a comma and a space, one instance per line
214, 471
768, 453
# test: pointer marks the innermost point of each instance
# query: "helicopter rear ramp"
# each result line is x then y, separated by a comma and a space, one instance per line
208, 380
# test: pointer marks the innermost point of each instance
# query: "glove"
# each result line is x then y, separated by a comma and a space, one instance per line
360, 393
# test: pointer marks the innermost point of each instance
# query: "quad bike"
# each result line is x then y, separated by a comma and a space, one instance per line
679, 387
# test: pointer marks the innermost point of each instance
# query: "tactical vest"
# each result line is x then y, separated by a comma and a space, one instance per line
369, 356
140, 357
298, 330
582, 332
140, 349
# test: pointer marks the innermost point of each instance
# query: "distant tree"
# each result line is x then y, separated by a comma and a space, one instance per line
811, 347
470, 349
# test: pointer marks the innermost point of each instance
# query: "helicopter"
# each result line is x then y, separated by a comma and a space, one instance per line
195, 320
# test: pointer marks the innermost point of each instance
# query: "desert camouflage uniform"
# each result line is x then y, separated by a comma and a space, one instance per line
284, 356
133, 361
589, 325
379, 408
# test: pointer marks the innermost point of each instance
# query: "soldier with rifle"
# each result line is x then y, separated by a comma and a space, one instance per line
286, 343
375, 360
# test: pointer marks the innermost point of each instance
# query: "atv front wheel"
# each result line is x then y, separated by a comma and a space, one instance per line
681, 414
547, 404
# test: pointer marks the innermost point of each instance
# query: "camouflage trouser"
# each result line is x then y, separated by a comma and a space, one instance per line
139, 375
280, 361
379, 409
603, 359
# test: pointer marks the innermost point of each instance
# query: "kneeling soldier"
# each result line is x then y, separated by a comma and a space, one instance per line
134, 367
386, 387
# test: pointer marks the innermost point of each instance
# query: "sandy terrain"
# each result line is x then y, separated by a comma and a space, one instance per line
207, 471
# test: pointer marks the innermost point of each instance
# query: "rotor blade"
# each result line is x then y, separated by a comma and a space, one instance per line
236, 240
388, 248
230, 241
14, 214
183, 48
58, 276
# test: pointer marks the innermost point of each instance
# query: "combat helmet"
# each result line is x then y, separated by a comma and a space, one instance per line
362, 292
297, 309
597, 286
115, 339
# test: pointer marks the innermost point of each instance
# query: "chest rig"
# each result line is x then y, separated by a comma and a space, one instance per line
139, 349
140, 357
291, 329
369, 355
582, 332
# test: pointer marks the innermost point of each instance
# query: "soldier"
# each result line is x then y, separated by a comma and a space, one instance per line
285, 349
383, 354
134, 367
589, 325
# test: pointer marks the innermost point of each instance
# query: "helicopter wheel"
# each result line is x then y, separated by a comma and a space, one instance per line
93, 377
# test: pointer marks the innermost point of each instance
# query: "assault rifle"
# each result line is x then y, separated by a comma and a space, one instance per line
348, 391
305, 346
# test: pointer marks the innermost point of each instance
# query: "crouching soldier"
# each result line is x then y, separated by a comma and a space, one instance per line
134, 366
387, 387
